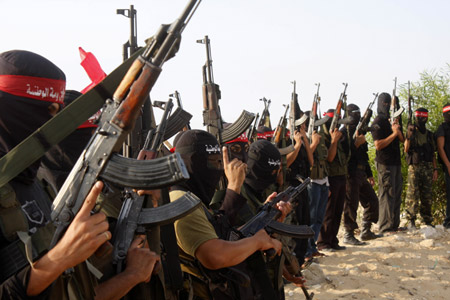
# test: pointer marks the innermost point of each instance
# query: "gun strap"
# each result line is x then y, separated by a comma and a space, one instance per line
172, 268
60, 126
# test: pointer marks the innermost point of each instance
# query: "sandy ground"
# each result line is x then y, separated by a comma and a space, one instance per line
406, 265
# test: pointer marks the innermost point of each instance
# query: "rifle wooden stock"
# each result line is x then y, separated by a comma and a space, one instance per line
115, 123
129, 109
336, 116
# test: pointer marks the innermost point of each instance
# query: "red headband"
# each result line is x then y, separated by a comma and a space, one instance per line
242, 138
45, 89
422, 114
265, 135
446, 109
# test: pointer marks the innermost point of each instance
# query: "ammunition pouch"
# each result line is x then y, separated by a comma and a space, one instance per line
422, 153
14, 256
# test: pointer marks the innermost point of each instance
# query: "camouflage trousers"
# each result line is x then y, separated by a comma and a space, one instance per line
419, 193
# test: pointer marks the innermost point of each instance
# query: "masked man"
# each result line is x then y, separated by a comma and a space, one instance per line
443, 146
359, 186
387, 140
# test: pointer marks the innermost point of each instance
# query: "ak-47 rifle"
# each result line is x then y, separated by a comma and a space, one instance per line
265, 116
410, 105
131, 45
294, 268
177, 97
339, 106
212, 118
278, 134
252, 134
134, 217
268, 214
292, 112
313, 113
395, 110
363, 125
99, 159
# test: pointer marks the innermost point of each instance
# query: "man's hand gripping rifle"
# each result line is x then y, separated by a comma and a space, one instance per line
100, 160
313, 113
363, 125
337, 113
268, 214
396, 110
133, 218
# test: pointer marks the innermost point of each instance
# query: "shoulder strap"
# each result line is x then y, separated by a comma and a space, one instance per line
60, 126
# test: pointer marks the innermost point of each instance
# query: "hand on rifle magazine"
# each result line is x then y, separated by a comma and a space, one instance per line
284, 207
141, 260
234, 171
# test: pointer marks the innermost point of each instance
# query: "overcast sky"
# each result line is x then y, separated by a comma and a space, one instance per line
258, 46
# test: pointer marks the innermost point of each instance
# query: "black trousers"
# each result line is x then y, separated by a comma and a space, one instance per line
390, 184
359, 190
333, 213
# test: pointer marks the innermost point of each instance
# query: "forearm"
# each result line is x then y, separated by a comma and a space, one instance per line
232, 204
332, 152
309, 152
401, 137
290, 158
216, 254
116, 287
407, 144
45, 271
381, 144
441, 151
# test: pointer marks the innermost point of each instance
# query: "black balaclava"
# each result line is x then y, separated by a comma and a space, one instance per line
384, 104
203, 158
59, 160
329, 113
263, 163
238, 148
29, 84
446, 113
354, 113
421, 118
298, 112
